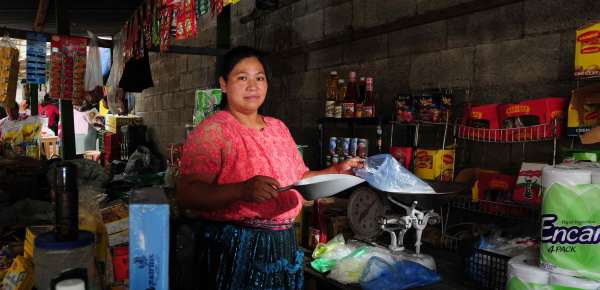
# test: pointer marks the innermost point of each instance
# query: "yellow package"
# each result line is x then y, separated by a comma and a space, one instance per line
31, 233
9, 70
19, 276
587, 50
435, 164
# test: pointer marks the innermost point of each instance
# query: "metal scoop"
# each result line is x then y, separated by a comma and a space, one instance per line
325, 185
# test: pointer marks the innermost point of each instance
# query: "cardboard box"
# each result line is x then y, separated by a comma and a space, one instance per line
113, 123
149, 256
115, 218
587, 51
435, 164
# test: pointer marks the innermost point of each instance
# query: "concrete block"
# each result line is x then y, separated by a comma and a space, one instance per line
326, 57
456, 67
242, 8
304, 86
199, 78
187, 115
264, 37
309, 28
181, 63
163, 116
185, 81
338, 18
418, 39
396, 76
279, 16
567, 58
173, 116
503, 23
555, 15
387, 11
314, 5
313, 110
167, 101
157, 101
300, 8
518, 61
178, 99
425, 70
195, 62
371, 48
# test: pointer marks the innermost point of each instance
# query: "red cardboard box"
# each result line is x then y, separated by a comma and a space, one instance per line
523, 115
121, 262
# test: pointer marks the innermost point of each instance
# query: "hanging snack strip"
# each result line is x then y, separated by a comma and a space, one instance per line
166, 14
203, 7
36, 58
187, 21
9, 70
68, 68
216, 6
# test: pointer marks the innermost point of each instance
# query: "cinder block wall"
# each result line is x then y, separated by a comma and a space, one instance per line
520, 50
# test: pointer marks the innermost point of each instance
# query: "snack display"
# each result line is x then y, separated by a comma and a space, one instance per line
68, 68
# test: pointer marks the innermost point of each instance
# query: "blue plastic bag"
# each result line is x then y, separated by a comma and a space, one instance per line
383, 172
380, 275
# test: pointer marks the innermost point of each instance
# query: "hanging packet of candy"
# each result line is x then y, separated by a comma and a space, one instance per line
216, 6
36, 58
165, 27
9, 70
68, 67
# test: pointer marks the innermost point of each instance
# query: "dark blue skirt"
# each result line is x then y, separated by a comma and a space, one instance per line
238, 257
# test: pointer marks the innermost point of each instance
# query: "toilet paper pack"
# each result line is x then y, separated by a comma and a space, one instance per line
564, 282
570, 235
525, 274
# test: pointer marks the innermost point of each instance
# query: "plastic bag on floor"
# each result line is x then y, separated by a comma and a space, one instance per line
382, 275
349, 269
383, 172
327, 255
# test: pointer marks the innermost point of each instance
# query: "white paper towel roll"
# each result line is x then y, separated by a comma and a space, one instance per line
573, 282
595, 175
566, 175
70, 284
525, 267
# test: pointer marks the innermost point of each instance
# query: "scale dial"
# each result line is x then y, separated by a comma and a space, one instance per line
364, 209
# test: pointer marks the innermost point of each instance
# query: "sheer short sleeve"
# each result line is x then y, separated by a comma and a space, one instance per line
298, 166
202, 155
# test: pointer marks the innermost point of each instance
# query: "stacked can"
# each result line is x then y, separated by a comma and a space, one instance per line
342, 148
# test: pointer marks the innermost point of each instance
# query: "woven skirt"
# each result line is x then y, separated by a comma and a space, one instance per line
239, 257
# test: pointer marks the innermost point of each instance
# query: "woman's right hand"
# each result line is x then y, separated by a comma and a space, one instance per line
259, 188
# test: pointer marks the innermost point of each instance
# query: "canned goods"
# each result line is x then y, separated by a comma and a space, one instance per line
363, 148
335, 159
327, 160
339, 148
346, 146
332, 145
353, 147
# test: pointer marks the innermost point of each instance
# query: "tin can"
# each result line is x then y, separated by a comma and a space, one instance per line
363, 148
339, 148
346, 146
353, 147
332, 145
337, 111
327, 160
335, 159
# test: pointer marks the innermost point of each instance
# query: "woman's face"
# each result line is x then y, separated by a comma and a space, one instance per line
246, 86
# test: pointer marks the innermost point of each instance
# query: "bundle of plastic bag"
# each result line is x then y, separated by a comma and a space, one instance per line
326, 255
93, 70
379, 274
349, 269
383, 172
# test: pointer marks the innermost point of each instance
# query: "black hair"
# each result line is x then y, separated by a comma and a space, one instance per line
235, 56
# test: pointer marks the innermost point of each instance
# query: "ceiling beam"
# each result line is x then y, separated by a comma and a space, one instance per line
40, 16
22, 34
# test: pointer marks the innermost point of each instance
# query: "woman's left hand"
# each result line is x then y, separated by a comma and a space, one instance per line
345, 167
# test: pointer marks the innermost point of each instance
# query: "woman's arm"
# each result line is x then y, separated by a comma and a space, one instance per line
195, 194
344, 167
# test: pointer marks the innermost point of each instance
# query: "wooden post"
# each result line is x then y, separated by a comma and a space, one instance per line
66, 106
33, 99
223, 37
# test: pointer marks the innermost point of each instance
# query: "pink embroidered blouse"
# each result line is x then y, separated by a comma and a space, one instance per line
221, 150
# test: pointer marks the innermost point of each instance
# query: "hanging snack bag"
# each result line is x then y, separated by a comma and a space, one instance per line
429, 108
446, 107
405, 109
9, 70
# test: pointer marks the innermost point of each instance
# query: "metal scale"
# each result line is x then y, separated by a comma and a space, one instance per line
370, 214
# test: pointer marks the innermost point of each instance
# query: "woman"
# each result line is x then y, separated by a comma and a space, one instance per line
232, 165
